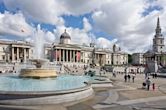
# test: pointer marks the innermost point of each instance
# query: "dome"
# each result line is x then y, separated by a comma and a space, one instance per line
65, 35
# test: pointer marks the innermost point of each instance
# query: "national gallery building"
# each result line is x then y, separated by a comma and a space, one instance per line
63, 53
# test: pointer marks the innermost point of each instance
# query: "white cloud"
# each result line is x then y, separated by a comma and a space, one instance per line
41, 11
78, 36
50, 11
124, 21
40, 35
80, 7
87, 25
49, 36
83, 36
121, 19
105, 43
14, 24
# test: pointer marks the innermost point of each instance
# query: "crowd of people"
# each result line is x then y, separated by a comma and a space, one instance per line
127, 77
147, 84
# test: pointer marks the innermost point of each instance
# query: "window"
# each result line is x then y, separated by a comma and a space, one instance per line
3, 57
3, 48
161, 41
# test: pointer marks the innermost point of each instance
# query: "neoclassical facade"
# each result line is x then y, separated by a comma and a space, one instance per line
138, 59
68, 53
62, 53
19, 51
15, 51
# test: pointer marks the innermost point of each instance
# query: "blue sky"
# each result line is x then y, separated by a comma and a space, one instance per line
70, 21
2, 7
108, 21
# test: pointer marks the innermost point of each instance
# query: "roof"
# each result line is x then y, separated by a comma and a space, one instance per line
65, 35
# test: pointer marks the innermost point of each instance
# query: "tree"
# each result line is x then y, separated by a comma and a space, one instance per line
130, 59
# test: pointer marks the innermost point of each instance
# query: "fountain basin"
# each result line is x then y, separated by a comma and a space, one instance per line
37, 73
59, 90
71, 96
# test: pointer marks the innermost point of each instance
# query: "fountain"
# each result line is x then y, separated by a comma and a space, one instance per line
28, 89
38, 72
38, 60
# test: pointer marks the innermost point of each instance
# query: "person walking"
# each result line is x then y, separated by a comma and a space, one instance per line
114, 74
153, 86
155, 75
125, 72
143, 85
148, 82
133, 77
125, 77
128, 77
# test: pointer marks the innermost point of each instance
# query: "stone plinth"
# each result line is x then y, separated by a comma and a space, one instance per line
37, 73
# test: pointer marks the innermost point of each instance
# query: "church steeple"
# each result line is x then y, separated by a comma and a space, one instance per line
158, 22
158, 28
158, 40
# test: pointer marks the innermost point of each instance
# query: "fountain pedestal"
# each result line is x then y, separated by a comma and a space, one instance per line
38, 72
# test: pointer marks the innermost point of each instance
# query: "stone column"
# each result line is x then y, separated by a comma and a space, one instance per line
18, 54
25, 55
70, 55
74, 55
63, 55
60, 55
67, 56
29, 53
56, 55
13, 57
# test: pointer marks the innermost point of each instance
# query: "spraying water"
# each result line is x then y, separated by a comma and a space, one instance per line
38, 43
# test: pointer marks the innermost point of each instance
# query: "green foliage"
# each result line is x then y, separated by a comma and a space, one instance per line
130, 59
107, 65
163, 57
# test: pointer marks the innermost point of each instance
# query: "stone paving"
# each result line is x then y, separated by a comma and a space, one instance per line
126, 96
131, 96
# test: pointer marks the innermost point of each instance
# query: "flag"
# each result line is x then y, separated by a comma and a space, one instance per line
22, 30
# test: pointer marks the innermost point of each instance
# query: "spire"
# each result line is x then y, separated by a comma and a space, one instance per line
158, 22
158, 29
